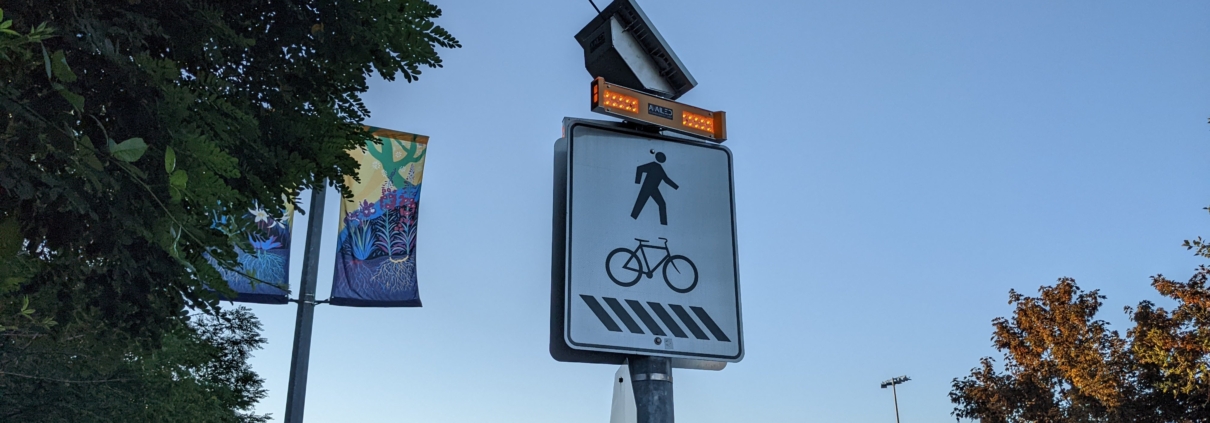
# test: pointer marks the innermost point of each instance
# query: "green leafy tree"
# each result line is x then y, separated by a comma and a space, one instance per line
128, 124
198, 373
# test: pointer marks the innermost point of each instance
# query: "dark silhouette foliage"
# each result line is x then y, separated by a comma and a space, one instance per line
127, 127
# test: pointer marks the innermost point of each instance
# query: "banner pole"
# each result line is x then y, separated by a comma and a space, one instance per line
300, 358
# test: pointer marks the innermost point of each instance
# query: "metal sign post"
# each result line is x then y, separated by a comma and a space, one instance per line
651, 378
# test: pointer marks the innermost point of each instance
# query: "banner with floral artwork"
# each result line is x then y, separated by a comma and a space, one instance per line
376, 244
263, 274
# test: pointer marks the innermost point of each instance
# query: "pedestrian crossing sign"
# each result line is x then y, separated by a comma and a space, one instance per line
644, 256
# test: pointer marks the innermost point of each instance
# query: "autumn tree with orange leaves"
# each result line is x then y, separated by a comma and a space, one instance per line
1062, 364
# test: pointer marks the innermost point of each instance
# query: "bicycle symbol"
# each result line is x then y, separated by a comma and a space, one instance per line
627, 273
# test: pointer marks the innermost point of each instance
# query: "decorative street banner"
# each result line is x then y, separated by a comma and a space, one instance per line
376, 246
263, 274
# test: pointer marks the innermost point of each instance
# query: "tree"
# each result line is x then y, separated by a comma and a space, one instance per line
199, 373
1173, 347
130, 126
215, 103
1061, 364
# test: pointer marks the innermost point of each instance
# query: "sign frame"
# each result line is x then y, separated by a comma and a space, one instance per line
562, 346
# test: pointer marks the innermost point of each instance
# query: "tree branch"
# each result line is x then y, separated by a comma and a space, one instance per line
61, 380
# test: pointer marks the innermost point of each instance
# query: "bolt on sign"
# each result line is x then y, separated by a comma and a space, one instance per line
645, 253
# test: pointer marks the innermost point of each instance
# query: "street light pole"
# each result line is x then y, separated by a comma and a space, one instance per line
895, 396
895, 381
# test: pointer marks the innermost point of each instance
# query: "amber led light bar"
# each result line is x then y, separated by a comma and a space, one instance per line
627, 104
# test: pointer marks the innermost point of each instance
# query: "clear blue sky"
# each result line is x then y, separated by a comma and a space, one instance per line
899, 166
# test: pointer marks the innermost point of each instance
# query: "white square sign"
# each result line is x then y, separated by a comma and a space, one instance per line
651, 264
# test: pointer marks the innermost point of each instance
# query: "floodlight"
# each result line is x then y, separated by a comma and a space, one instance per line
895, 381
622, 46
621, 102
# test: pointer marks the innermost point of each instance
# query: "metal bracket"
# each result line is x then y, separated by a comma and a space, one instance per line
310, 302
651, 376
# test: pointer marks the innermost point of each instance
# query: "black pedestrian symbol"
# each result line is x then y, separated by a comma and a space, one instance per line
651, 187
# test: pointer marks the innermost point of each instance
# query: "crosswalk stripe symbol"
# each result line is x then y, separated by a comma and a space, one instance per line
669, 321
601, 314
622, 314
713, 327
689, 323
646, 318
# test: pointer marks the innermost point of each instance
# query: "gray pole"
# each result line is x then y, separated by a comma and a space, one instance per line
651, 378
896, 397
894, 393
296, 394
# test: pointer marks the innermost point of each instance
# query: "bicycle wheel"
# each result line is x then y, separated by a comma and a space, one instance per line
624, 263
684, 273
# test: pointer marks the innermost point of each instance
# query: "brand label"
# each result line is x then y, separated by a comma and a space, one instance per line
660, 111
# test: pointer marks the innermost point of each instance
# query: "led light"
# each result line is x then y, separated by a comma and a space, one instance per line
696, 121
621, 101
646, 109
